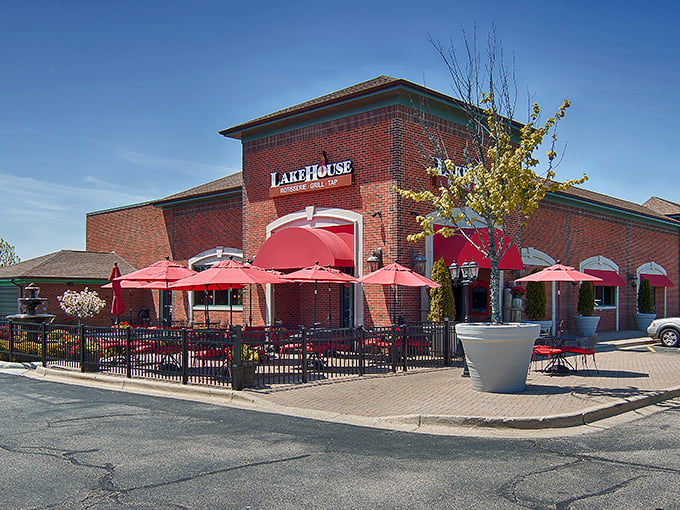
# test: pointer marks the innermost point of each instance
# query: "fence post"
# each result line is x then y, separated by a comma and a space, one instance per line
185, 356
236, 362
404, 347
10, 334
128, 352
44, 344
303, 354
81, 341
362, 355
394, 348
446, 342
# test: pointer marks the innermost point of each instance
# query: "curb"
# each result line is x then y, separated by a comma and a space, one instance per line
586, 417
16, 365
239, 398
165, 388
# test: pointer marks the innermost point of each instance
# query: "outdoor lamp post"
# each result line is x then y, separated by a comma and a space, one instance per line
464, 275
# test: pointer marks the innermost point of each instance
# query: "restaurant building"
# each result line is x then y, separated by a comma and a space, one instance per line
317, 185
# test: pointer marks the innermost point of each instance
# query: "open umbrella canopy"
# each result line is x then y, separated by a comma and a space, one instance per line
559, 273
117, 305
396, 274
317, 273
162, 271
226, 274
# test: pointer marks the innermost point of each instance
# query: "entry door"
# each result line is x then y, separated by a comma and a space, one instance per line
346, 306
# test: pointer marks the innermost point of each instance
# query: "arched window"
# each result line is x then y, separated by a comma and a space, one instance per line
216, 299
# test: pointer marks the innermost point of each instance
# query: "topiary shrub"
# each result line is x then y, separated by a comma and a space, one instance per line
586, 299
442, 303
645, 298
535, 301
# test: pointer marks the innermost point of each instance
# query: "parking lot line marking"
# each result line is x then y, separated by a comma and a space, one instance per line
651, 348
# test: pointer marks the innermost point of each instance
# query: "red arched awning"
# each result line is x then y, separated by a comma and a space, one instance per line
657, 280
457, 248
297, 247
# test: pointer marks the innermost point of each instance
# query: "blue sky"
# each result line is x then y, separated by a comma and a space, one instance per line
106, 104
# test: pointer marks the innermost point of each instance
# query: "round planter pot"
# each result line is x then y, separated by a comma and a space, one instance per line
498, 355
586, 325
643, 320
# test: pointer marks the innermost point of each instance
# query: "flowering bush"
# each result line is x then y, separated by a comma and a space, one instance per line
86, 303
518, 291
122, 325
247, 354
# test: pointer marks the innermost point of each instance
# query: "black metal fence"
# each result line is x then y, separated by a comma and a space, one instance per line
257, 357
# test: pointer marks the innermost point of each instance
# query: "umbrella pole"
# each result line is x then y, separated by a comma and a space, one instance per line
205, 301
314, 323
250, 300
329, 305
231, 313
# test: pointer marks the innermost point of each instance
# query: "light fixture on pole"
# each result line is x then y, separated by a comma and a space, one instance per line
464, 275
418, 262
375, 260
633, 279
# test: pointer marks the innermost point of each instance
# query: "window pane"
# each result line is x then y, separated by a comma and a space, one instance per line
605, 296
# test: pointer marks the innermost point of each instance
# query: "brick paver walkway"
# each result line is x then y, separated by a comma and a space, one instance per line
622, 374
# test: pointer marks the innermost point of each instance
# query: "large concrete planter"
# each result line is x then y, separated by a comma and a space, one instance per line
498, 355
643, 320
586, 325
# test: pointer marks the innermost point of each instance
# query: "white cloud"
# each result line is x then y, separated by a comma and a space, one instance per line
40, 217
176, 165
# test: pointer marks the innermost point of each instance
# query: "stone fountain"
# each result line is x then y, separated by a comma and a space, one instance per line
31, 307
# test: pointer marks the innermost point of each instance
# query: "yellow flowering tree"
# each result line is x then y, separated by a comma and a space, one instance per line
500, 185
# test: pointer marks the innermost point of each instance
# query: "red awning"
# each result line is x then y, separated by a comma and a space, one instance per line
457, 248
297, 247
609, 278
657, 280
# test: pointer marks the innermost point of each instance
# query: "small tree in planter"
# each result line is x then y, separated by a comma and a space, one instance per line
586, 323
497, 190
442, 303
645, 302
83, 304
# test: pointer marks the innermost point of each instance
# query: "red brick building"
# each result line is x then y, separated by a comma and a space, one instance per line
317, 185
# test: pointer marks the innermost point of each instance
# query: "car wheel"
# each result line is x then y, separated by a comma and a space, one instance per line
669, 337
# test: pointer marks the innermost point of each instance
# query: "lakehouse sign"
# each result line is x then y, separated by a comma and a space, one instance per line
311, 178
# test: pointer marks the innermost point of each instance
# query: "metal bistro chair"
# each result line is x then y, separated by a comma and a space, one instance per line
584, 348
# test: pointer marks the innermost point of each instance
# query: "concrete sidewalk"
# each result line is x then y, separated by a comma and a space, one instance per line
630, 375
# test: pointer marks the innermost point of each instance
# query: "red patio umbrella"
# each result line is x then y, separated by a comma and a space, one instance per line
316, 274
559, 273
157, 276
117, 305
225, 275
395, 274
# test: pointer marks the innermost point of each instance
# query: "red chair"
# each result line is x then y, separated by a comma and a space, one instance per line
588, 349
546, 351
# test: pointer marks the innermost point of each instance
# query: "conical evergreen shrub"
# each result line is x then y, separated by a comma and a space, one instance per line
535, 301
645, 298
586, 299
442, 303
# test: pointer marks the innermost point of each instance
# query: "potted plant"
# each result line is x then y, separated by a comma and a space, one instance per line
645, 314
493, 186
535, 304
245, 371
586, 323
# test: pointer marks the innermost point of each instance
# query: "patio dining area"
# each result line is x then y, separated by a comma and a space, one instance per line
235, 356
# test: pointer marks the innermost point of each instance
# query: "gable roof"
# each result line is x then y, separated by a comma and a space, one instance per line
229, 183
663, 206
362, 93
67, 264
614, 203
